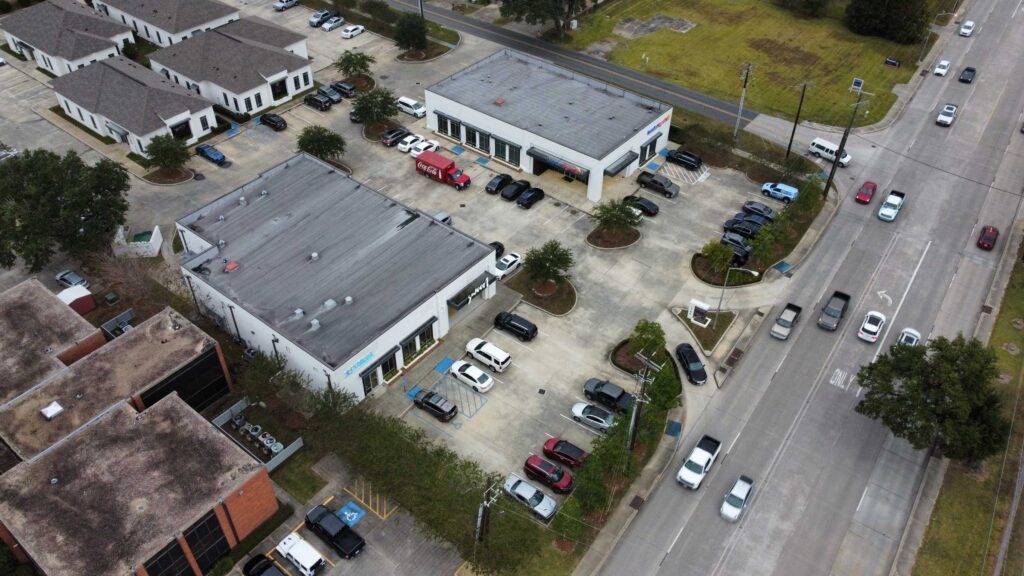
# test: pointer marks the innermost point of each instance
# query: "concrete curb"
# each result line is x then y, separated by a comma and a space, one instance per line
451, 49
753, 325
189, 179
552, 314
707, 353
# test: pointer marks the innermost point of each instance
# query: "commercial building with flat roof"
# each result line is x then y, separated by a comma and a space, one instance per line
532, 115
150, 493
346, 284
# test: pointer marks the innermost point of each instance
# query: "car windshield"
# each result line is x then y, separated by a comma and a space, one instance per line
695, 366
833, 312
503, 264
693, 467
457, 174
536, 499
734, 501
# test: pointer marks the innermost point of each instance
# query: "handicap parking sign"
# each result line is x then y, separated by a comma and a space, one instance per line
351, 514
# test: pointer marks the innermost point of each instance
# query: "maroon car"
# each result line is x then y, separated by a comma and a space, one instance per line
564, 451
987, 238
548, 473
866, 192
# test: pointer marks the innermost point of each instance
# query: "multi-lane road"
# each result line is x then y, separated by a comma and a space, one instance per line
833, 488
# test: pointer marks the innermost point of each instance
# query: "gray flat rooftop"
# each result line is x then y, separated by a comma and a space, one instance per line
126, 366
576, 111
35, 328
387, 257
108, 498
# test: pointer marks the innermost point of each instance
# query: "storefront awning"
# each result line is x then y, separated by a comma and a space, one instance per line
620, 164
556, 163
652, 139
465, 296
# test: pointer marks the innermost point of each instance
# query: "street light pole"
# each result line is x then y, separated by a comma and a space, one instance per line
721, 297
799, 107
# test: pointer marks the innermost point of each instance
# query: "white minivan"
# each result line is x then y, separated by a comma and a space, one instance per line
822, 148
488, 354
301, 554
413, 107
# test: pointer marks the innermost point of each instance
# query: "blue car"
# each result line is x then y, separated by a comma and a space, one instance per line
212, 154
779, 191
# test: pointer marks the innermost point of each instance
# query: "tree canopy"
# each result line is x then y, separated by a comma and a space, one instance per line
616, 216
549, 263
648, 337
905, 21
377, 105
352, 63
411, 32
939, 396
50, 202
321, 142
558, 12
167, 152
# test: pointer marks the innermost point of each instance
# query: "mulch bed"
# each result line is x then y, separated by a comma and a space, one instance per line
374, 131
703, 270
173, 176
623, 359
362, 82
561, 302
433, 51
604, 238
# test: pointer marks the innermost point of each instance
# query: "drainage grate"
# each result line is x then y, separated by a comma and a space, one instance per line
636, 502
986, 309
734, 357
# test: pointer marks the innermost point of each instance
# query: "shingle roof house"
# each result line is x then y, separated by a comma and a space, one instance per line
166, 22
123, 100
63, 35
246, 65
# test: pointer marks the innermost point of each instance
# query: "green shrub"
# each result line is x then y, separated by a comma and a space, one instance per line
25, 3
5, 7
379, 10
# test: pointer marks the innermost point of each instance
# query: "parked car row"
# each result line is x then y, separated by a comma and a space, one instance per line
328, 95
329, 526
524, 194
744, 226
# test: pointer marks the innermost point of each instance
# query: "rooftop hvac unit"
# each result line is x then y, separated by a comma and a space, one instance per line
314, 324
298, 313
51, 410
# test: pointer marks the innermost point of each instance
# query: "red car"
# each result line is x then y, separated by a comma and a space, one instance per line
987, 238
565, 452
866, 192
548, 473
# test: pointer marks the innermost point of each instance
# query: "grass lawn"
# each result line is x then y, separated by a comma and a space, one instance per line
958, 535
785, 50
297, 477
708, 337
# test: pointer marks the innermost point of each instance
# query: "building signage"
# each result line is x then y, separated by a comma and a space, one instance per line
658, 125
359, 364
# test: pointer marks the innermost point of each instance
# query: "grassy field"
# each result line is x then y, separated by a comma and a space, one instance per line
785, 50
958, 536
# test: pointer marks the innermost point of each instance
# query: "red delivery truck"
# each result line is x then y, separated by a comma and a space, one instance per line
433, 165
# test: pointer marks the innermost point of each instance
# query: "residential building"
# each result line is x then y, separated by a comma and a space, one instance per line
246, 66
347, 285
532, 115
166, 22
63, 35
120, 99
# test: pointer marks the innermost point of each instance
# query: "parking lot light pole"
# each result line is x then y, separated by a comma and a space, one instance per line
721, 297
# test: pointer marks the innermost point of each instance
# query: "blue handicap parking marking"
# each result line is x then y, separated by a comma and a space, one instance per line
351, 514
443, 366
457, 150
482, 161
653, 165
663, 153
234, 130
673, 428
412, 392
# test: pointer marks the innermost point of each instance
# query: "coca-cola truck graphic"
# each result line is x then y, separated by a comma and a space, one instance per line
437, 167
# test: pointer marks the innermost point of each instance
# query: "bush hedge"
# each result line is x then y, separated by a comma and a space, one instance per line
5, 7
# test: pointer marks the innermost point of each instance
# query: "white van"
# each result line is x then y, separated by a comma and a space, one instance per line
413, 107
301, 554
824, 149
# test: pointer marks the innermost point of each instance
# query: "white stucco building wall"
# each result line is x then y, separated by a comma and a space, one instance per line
259, 98
156, 34
59, 66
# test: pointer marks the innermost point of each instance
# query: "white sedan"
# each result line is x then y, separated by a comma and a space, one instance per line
423, 146
946, 115
333, 23
942, 68
352, 31
967, 28
507, 264
736, 500
909, 337
872, 326
471, 376
409, 141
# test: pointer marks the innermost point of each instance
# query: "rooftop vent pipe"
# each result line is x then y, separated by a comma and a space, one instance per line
314, 256
348, 300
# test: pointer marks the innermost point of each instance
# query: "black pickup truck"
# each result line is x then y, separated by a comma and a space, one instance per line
608, 394
334, 532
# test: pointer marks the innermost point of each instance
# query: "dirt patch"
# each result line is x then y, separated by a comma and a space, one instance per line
634, 28
171, 176
623, 359
362, 82
718, 16
783, 53
603, 238
1011, 348
601, 49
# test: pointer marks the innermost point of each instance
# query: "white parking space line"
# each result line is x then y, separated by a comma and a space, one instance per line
580, 424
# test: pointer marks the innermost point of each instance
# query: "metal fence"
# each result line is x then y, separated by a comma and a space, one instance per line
239, 407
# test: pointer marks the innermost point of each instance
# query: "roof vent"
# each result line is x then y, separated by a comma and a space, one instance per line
222, 243
499, 102
330, 303
231, 266
51, 410
242, 201
53, 481
298, 313
348, 300
220, 218
314, 324
264, 194
314, 256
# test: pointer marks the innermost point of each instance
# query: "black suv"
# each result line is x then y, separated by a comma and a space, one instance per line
393, 136
346, 89
690, 361
334, 532
317, 101
739, 245
516, 325
642, 204
512, 191
260, 565
685, 159
330, 93
759, 209
497, 183
744, 228
437, 405
275, 122
967, 76
608, 394
658, 183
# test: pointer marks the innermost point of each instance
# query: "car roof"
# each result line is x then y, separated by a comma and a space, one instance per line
568, 448
596, 411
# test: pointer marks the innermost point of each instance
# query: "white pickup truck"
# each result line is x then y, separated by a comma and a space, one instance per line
889, 209
697, 466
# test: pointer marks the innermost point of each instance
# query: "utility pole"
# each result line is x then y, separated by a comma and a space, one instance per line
842, 144
644, 377
743, 98
483, 513
799, 107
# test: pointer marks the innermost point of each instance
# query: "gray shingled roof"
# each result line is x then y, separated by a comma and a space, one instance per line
174, 16
130, 94
576, 111
231, 57
389, 258
63, 28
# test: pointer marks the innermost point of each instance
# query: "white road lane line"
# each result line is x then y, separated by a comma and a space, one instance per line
903, 298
